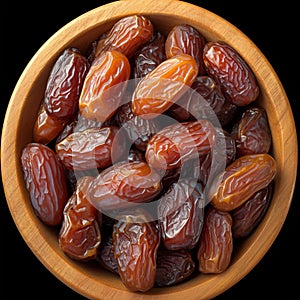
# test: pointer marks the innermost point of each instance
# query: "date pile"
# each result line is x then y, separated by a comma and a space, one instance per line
103, 153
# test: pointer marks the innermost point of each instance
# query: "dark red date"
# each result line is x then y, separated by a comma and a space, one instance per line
252, 132
136, 241
91, 149
216, 242
65, 83
180, 215
179, 142
125, 184
80, 236
149, 56
224, 64
185, 38
46, 182
246, 217
173, 267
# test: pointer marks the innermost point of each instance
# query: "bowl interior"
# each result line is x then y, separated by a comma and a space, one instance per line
89, 279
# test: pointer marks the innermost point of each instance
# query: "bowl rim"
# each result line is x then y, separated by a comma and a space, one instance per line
69, 271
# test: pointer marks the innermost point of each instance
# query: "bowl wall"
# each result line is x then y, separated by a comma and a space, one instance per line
88, 279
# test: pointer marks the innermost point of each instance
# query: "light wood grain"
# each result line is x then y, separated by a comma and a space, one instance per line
92, 282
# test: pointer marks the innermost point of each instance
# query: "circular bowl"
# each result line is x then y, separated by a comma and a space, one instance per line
87, 279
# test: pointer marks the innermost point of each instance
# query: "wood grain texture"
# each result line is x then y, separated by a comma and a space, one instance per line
17, 131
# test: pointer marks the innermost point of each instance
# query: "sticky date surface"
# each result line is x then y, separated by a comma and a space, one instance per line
136, 241
46, 182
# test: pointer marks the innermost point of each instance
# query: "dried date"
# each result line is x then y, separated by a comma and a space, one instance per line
163, 86
179, 142
180, 214
136, 242
226, 66
126, 35
106, 255
149, 56
241, 179
173, 267
206, 100
247, 216
104, 86
46, 128
125, 184
252, 132
216, 242
184, 38
139, 130
46, 182
79, 236
91, 149
65, 83
219, 157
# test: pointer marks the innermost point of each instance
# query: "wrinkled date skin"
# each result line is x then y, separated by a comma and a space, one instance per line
247, 216
179, 142
149, 56
80, 236
136, 242
180, 214
46, 128
91, 148
241, 179
65, 83
173, 267
104, 86
126, 35
184, 38
207, 166
80, 123
216, 242
139, 130
205, 100
159, 89
252, 132
106, 255
224, 64
46, 182
124, 184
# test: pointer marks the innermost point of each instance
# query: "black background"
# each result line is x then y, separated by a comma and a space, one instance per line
273, 28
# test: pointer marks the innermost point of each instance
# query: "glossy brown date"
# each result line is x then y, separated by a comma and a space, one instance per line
163, 86
125, 184
241, 179
185, 38
205, 100
46, 128
91, 149
179, 142
173, 267
45, 181
149, 56
216, 242
65, 83
180, 214
225, 65
106, 255
104, 86
219, 157
139, 130
136, 242
252, 132
80, 123
126, 35
79, 236
247, 216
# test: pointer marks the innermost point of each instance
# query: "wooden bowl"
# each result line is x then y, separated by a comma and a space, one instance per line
87, 279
